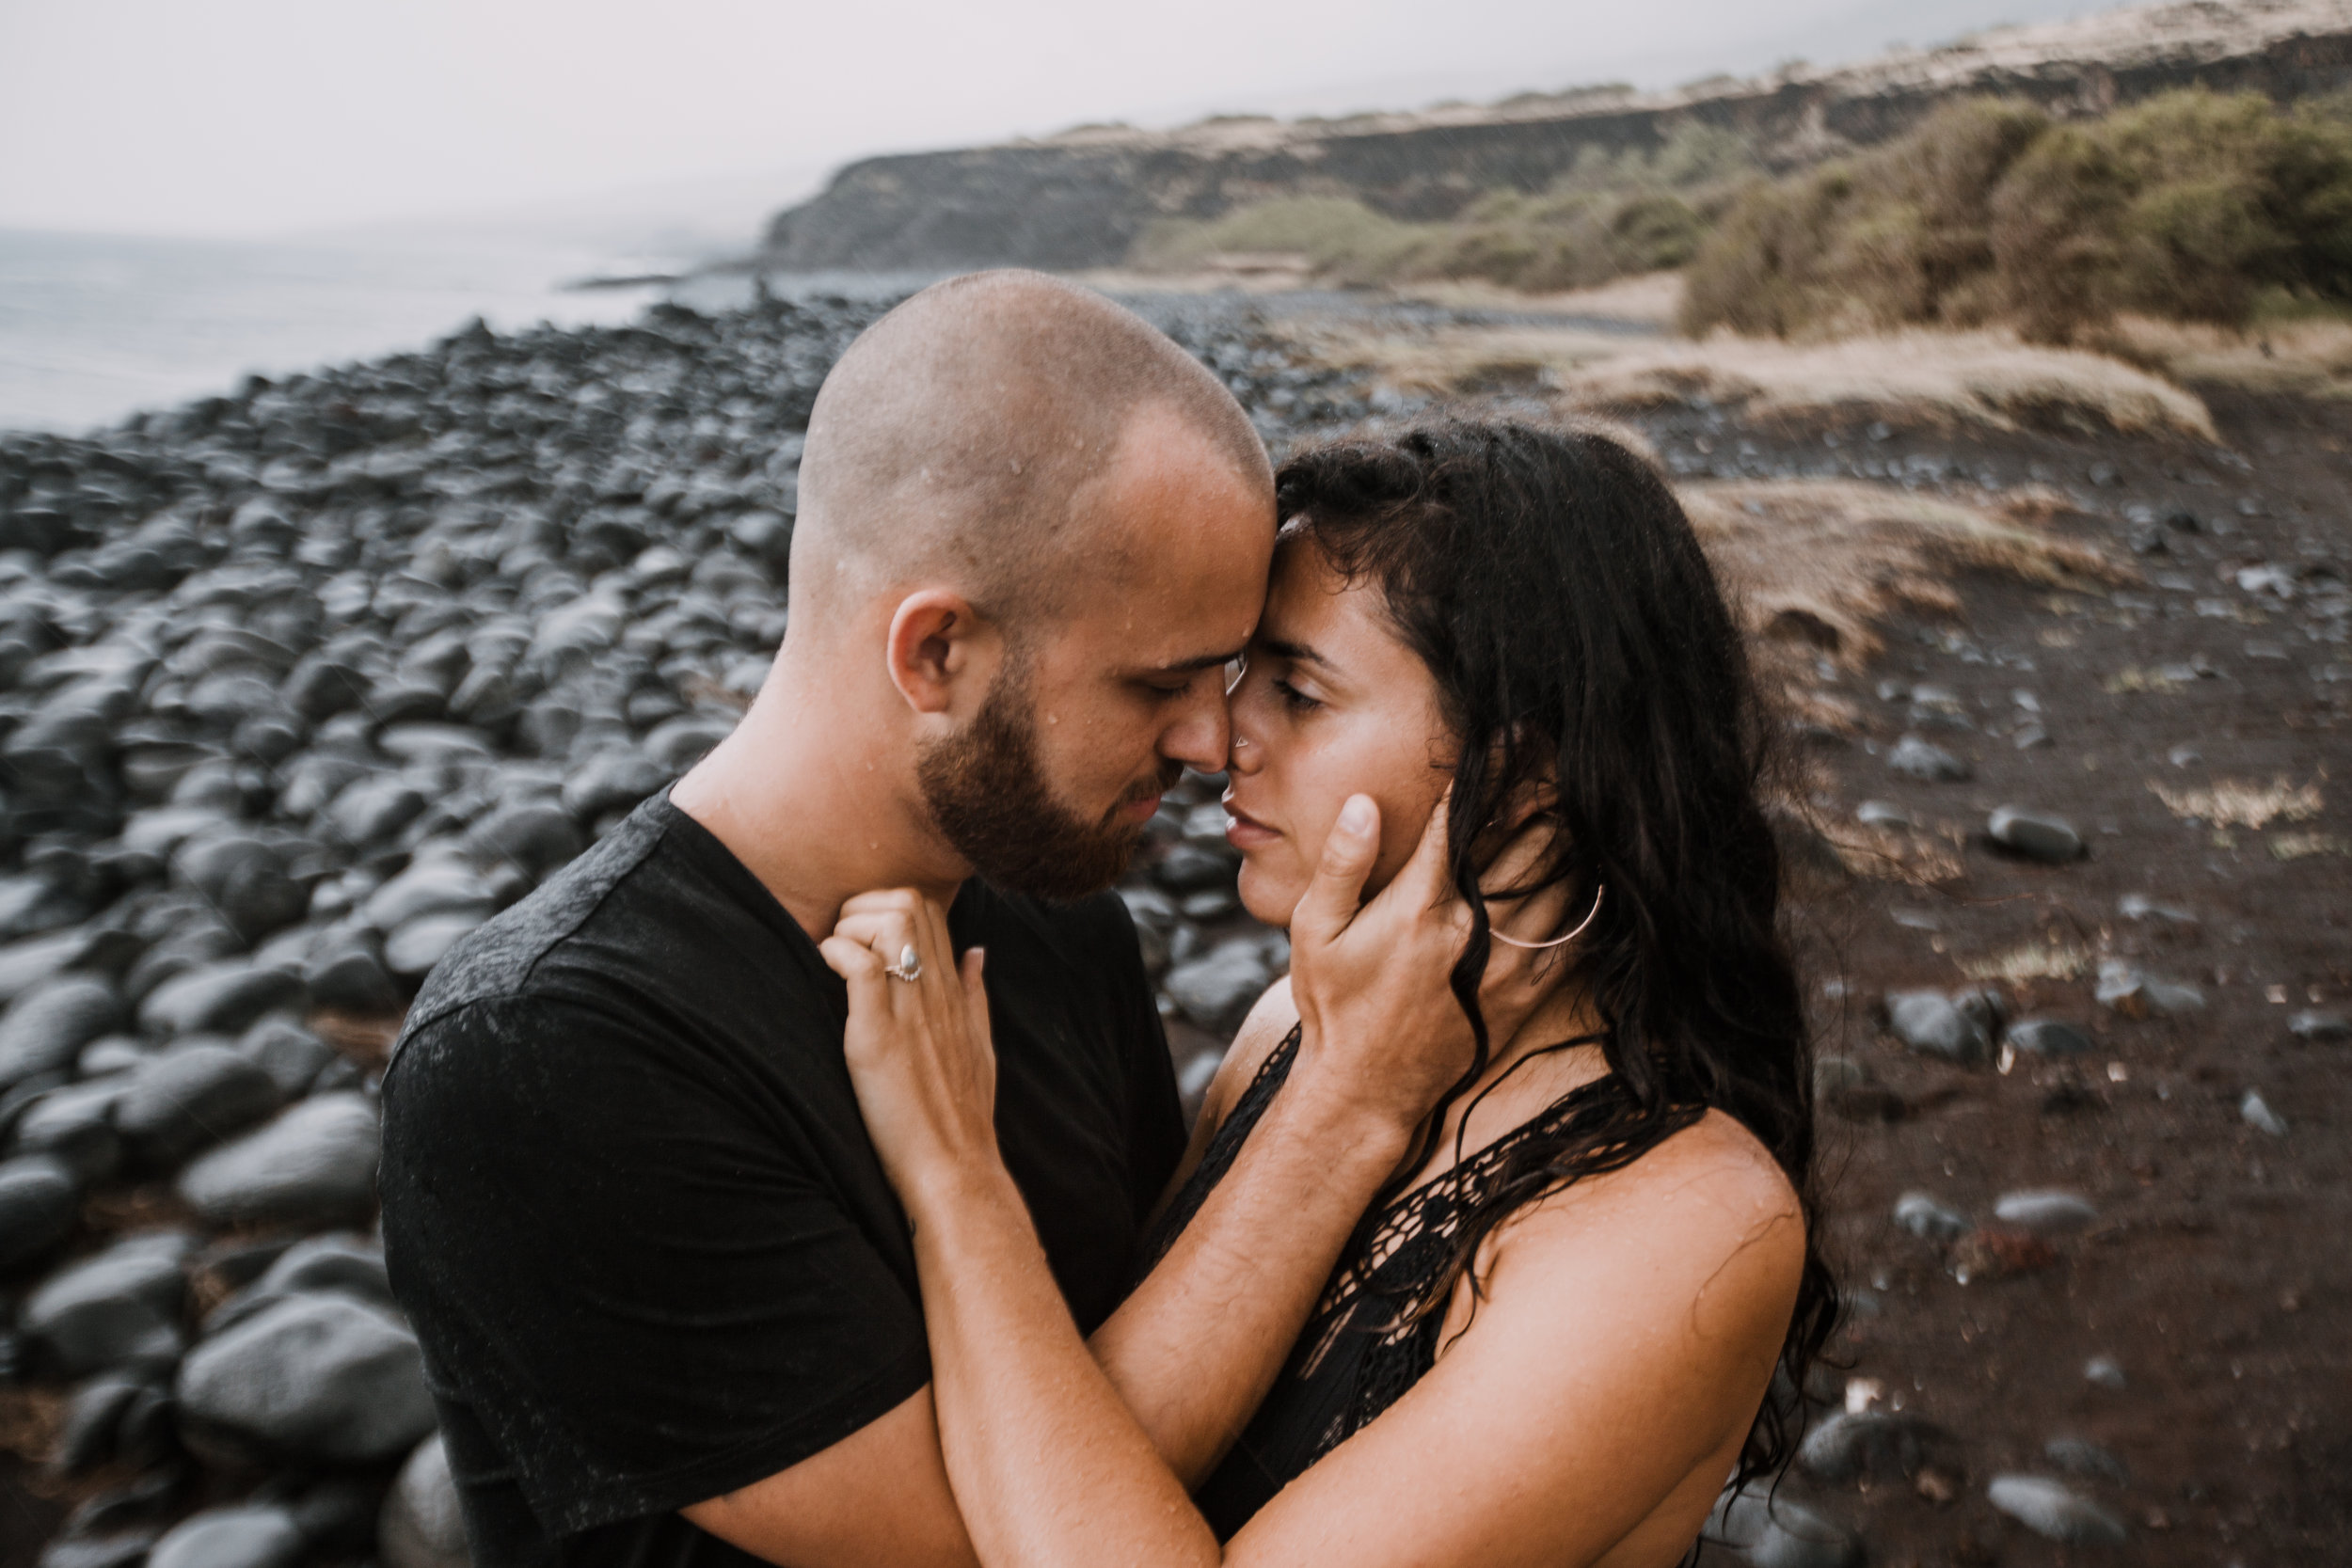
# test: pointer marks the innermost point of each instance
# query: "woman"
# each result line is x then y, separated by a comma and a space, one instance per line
1551, 1339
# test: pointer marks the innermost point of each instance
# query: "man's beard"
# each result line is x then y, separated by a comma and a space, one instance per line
990, 797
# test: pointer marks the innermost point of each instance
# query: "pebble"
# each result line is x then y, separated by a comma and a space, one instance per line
2047, 1037
2125, 989
1218, 989
2313, 1025
2045, 1211
2053, 1511
1922, 1215
245, 1537
1882, 814
1769, 1531
1957, 1029
291, 1055
219, 997
2258, 1115
1922, 759
2080, 1456
39, 1202
2105, 1372
2036, 835
320, 1379
422, 1525
1874, 1445
315, 1163
77, 1127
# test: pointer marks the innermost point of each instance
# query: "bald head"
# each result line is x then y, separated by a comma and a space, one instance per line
959, 438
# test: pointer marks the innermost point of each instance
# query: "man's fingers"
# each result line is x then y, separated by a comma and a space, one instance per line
1331, 899
1428, 877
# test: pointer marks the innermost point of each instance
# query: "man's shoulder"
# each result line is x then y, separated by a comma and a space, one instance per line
501, 958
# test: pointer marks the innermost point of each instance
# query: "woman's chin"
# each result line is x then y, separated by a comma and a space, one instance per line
1269, 899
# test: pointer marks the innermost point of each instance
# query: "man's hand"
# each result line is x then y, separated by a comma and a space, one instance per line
1378, 1021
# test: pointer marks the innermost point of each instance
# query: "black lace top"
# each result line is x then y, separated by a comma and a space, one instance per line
1369, 1338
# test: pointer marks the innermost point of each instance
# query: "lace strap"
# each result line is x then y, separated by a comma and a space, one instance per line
1224, 1148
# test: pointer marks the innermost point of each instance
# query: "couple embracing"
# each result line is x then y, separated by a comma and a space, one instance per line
799, 1176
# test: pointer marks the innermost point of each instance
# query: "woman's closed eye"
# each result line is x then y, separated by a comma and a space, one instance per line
1293, 699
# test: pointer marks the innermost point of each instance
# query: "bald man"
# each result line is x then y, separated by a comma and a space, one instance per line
666, 1298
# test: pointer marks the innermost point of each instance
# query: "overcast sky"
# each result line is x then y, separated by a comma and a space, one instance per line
273, 117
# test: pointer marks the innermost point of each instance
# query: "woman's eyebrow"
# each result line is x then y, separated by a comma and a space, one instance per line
1297, 653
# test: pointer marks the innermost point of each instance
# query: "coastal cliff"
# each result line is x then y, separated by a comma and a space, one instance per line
1081, 199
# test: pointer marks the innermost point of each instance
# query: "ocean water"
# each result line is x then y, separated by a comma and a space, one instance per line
93, 328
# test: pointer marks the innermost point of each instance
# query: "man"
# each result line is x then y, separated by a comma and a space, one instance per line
666, 1298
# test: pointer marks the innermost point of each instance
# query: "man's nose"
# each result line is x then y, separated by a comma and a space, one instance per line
1199, 739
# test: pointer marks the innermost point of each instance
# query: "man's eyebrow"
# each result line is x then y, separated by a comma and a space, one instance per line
1297, 653
1206, 662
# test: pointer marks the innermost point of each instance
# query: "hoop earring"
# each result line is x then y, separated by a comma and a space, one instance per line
1598, 890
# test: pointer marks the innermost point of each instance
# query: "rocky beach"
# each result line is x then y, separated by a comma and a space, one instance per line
300, 683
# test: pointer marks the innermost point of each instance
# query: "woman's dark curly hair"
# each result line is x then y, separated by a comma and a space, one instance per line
1583, 652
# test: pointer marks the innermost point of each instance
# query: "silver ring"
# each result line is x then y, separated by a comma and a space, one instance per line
909, 967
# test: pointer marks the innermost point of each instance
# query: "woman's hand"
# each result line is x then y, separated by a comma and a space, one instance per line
1370, 980
919, 1051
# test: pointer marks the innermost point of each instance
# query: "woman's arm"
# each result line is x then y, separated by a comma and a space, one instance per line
1592, 1411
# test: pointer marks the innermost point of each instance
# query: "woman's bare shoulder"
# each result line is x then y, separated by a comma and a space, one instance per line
1268, 1024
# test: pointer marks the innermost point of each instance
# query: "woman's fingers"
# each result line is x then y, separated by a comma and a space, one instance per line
856, 963
976, 998
1331, 899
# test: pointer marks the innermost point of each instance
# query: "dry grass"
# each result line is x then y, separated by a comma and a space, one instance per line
2312, 357
2032, 960
1816, 565
2235, 804
1648, 299
2296, 846
1917, 378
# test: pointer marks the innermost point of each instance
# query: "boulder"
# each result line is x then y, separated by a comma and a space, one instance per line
190, 1097
422, 1525
39, 1200
2047, 1037
217, 998
316, 1163
315, 1379
46, 1027
119, 1308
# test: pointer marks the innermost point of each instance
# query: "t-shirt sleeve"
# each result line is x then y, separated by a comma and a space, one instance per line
646, 1299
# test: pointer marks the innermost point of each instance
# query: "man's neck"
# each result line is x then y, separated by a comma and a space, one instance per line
817, 816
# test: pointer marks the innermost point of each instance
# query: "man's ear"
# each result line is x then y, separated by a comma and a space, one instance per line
937, 645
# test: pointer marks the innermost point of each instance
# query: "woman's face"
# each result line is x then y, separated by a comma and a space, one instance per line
1331, 703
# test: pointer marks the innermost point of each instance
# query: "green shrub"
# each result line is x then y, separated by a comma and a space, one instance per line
2192, 206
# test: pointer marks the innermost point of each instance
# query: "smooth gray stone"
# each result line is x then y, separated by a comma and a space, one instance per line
290, 1053
39, 1200
127, 1549
350, 976
2048, 1036
411, 951
46, 1026
2256, 1113
1191, 867
37, 959
1922, 1216
1882, 814
343, 1263
1877, 1445
2130, 990
422, 1525
242, 1537
217, 998
539, 835
2313, 1025
373, 809
433, 887
1779, 1532
2105, 1372
189, 1097
1919, 758
2080, 1456
611, 781
1218, 989
2047, 1212
316, 1379
2036, 835
111, 1053
2053, 1511
121, 1307
92, 1414
1933, 1022
316, 1163
678, 743
76, 1126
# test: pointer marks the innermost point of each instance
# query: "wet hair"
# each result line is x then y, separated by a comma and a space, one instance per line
1578, 639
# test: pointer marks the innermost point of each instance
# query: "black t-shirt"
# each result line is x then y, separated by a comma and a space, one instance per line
633, 1214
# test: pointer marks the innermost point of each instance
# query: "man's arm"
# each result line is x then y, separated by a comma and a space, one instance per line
1194, 1350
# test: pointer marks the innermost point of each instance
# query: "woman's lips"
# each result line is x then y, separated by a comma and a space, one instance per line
1246, 833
